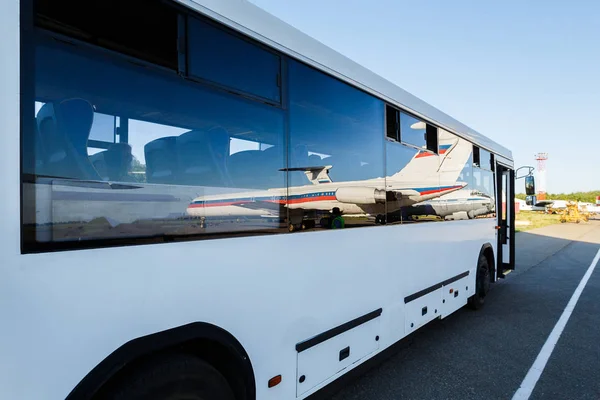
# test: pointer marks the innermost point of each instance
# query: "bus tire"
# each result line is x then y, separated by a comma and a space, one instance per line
482, 284
176, 376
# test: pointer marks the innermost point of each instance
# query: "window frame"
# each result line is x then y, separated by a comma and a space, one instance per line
476, 156
396, 129
432, 138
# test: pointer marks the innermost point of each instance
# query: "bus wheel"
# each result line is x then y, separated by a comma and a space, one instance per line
482, 284
174, 377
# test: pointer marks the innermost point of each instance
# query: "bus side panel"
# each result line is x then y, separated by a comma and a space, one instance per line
9, 128
79, 306
456, 294
11, 381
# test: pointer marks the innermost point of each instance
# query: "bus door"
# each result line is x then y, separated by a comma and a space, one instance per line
505, 230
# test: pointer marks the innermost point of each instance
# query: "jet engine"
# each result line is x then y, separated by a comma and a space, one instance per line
360, 195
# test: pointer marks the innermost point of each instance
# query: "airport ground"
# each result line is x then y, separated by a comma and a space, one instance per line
486, 354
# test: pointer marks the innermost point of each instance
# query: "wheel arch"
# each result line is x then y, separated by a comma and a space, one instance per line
195, 338
487, 250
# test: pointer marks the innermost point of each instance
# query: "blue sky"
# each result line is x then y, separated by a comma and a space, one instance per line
524, 73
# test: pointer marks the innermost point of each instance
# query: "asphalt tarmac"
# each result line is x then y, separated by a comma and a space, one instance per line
486, 354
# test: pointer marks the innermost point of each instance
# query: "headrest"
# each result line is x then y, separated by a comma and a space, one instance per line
116, 150
245, 158
46, 112
164, 143
118, 160
191, 136
52, 141
216, 140
75, 118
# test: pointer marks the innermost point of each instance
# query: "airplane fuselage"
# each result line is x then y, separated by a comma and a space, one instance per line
460, 204
358, 197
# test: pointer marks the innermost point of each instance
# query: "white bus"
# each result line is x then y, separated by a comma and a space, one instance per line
200, 201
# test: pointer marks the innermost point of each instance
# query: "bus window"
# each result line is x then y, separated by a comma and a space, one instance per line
331, 118
402, 170
432, 138
336, 135
152, 38
413, 131
392, 127
225, 59
162, 142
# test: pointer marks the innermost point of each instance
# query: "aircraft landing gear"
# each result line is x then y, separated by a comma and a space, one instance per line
296, 227
380, 219
309, 224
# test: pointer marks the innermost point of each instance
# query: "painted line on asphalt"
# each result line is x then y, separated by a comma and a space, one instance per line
540, 362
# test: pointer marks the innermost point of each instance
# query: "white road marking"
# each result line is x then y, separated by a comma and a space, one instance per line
540, 362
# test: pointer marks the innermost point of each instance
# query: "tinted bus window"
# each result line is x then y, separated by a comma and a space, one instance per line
485, 159
336, 135
228, 60
122, 151
116, 25
413, 131
334, 124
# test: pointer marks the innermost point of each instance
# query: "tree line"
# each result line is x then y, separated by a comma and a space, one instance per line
585, 197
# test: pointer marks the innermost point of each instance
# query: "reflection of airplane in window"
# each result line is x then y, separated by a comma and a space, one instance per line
142, 157
467, 203
423, 178
461, 204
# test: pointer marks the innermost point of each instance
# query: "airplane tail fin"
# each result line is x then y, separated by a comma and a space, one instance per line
456, 153
316, 175
453, 155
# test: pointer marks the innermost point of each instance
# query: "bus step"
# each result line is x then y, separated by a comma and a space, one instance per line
505, 272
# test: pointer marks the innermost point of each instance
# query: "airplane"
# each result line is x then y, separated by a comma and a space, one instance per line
424, 178
532, 204
459, 205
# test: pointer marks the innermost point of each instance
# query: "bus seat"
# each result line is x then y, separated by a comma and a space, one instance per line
118, 160
33, 152
75, 118
99, 164
256, 168
161, 160
52, 142
202, 157
65, 129
245, 169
